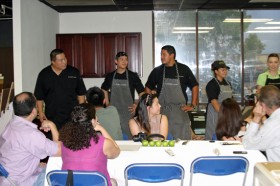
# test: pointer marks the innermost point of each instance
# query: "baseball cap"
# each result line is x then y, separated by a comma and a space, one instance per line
218, 64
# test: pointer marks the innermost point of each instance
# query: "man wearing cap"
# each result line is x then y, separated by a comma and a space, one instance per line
119, 87
217, 90
170, 81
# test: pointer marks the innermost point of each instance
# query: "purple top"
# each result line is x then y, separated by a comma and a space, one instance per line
22, 146
91, 159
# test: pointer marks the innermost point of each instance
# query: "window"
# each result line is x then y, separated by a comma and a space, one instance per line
217, 35
261, 37
170, 29
219, 40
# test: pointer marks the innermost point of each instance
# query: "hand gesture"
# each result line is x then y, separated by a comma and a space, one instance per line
42, 117
259, 112
197, 137
187, 108
153, 92
46, 125
96, 125
132, 109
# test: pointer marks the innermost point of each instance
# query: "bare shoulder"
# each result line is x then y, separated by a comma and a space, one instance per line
132, 121
164, 117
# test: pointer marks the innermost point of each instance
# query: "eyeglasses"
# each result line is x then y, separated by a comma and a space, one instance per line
61, 60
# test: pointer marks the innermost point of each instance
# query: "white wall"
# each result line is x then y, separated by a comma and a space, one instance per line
34, 29
110, 22
35, 26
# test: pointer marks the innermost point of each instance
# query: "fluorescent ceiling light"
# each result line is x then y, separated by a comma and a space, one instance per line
193, 28
263, 31
188, 32
268, 28
266, 1
273, 23
256, 20
237, 20
80, 2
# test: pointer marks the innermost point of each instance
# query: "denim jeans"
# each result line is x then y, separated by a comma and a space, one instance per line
41, 178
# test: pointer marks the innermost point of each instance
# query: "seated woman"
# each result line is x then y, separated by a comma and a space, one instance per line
230, 125
147, 117
80, 141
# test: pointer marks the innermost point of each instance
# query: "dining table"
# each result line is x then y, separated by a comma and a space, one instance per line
184, 153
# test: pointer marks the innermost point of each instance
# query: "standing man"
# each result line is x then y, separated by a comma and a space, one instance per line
60, 87
22, 145
170, 81
265, 137
119, 86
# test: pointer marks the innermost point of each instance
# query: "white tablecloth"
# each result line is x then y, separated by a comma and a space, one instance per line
184, 155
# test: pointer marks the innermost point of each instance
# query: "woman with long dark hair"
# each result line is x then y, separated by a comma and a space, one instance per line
81, 141
147, 117
230, 125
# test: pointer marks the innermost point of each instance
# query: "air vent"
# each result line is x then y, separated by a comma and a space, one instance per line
264, 1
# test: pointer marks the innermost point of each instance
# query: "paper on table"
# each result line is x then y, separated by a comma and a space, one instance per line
127, 147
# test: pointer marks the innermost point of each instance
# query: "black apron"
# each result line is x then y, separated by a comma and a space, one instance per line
275, 82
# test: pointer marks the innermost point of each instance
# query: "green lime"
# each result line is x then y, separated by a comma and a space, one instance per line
158, 143
145, 143
165, 143
152, 143
171, 143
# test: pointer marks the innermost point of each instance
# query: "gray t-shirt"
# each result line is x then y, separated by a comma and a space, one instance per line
109, 118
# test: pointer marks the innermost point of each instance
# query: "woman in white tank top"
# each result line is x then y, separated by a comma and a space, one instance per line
147, 117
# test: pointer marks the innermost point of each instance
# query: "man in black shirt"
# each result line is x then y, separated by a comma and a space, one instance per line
170, 81
60, 87
119, 86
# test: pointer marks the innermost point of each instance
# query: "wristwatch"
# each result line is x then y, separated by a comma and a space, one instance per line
193, 106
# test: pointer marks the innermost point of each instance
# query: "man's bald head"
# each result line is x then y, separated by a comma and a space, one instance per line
24, 103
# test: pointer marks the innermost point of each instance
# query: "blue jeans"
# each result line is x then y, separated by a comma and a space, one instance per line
41, 178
